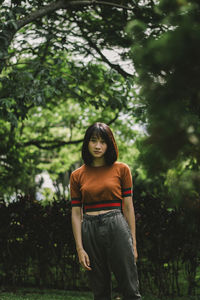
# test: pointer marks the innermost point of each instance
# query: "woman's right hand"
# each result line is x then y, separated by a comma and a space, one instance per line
84, 259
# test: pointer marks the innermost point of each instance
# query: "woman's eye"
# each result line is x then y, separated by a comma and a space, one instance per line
93, 140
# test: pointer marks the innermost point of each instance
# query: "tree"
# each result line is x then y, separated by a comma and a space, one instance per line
54, 24
51, 55
49, 137
165, 52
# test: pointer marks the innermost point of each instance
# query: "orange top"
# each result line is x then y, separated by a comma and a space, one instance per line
100, 188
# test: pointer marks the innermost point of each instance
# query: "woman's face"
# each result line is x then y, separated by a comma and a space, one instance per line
97, 146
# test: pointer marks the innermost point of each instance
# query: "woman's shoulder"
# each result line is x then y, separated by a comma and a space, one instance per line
78, 171
121, 165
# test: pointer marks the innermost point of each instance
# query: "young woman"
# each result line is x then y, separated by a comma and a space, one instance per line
103, 219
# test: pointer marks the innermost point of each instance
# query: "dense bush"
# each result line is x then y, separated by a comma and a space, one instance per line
36, 244
168, 245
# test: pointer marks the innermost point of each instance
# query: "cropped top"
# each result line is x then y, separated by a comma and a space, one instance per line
100, 188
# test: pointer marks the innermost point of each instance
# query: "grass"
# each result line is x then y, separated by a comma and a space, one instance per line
34, 294
28, 294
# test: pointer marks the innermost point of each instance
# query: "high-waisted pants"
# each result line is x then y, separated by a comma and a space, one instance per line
108, 242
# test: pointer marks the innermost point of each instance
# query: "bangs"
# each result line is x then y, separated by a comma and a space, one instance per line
100, 133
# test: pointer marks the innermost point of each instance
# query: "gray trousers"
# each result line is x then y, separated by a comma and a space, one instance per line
108, 242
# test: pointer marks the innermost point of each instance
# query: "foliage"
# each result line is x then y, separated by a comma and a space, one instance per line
55, 81
53, 55
168, 241
31, 31
50, 139
39, 243
165, 52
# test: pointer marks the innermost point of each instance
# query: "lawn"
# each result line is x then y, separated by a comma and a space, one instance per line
28, 294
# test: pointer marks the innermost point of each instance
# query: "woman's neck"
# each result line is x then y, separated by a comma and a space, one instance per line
98, 162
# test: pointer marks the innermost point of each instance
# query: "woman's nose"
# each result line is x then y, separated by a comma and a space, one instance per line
98, 145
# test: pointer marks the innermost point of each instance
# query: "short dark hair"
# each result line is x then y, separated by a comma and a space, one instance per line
101, 130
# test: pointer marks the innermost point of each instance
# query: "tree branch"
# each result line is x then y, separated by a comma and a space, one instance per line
62, 4
43, 144
114, 119
7, 35
48, 9
104, 58
49, 145
111, 4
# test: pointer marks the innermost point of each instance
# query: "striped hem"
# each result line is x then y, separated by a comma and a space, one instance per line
76, 202
126, 192
103, 205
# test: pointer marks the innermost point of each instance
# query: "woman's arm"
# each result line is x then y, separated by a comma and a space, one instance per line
76, 227
129, 213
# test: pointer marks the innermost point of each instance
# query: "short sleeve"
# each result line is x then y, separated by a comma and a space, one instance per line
126, 181
75, 192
